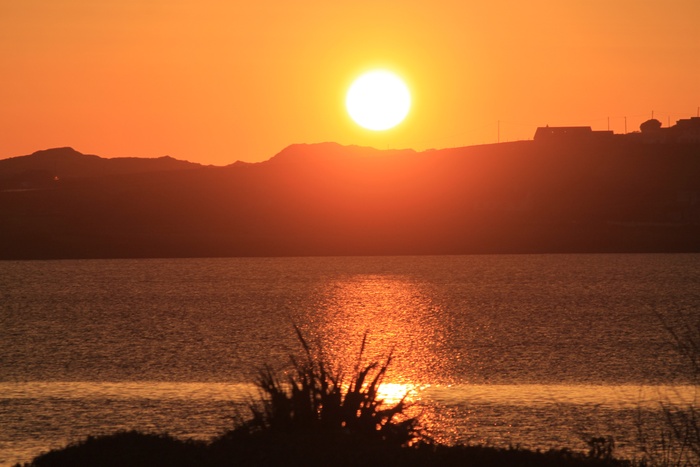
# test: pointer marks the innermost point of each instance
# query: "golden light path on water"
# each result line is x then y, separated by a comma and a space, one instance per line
398, 319
394, 317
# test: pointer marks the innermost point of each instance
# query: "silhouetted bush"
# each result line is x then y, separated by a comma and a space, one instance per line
315, 397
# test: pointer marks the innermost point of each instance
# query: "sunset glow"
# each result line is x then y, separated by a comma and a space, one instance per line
349, 232
215, 82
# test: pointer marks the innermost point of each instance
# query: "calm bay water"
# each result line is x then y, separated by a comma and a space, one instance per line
536, 350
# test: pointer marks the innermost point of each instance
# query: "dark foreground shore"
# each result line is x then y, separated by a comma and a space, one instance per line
270, 449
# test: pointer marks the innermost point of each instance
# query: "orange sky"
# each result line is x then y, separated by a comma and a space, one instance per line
215, 81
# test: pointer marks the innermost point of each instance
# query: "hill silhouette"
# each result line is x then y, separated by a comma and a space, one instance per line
67, 162
328, 199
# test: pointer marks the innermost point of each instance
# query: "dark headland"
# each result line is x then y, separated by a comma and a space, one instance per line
569, 190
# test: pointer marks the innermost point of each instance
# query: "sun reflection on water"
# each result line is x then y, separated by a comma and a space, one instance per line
393, 393
399, 319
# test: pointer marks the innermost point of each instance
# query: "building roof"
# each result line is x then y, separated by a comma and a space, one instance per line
567, 133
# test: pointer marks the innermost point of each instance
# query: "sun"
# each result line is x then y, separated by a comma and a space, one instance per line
378, 100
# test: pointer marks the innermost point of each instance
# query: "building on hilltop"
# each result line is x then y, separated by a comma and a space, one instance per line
570, 134
686, 130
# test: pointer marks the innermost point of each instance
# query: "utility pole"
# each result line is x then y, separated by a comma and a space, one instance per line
625, 125
499, 131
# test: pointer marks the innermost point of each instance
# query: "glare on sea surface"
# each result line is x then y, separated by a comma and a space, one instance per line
397, 319
393, 393
394, 317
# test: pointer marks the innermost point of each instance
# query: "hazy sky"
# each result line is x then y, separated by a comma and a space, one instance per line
215, 81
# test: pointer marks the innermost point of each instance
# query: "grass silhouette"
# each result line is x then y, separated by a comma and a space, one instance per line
677, 442
317, 398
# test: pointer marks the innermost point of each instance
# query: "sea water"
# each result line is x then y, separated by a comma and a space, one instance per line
538, 351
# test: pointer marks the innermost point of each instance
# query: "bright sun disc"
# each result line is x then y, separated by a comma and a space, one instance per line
378, 100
